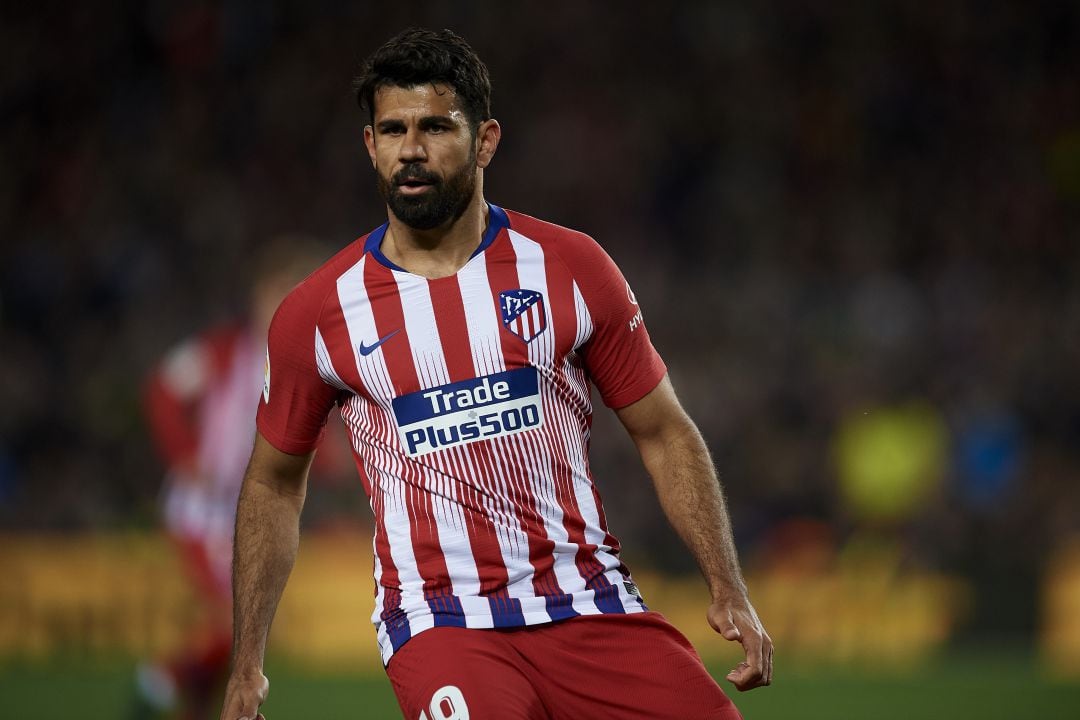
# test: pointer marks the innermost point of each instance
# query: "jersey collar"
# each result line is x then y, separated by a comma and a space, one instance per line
497, 220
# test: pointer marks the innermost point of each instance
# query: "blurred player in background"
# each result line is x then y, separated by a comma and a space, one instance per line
460, 340
200, 404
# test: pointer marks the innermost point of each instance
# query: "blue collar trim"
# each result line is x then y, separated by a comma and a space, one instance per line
497, 220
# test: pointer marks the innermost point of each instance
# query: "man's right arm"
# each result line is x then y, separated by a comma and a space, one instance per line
265, 545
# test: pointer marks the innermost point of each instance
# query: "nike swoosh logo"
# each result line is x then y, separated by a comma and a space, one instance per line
368, 349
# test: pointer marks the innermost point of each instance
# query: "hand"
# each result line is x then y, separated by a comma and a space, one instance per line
735, 619
243, 696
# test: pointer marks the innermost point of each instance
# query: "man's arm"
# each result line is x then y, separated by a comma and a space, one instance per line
266, 541
675, 455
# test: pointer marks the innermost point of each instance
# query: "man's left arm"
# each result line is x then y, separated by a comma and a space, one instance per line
675, 455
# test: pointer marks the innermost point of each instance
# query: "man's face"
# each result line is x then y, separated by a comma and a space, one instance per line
424, 153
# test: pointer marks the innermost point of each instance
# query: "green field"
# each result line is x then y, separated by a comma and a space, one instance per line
984, 686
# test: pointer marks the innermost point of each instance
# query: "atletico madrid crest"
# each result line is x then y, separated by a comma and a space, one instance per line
523, 313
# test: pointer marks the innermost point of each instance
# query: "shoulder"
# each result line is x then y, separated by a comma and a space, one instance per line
590, 266
573, 246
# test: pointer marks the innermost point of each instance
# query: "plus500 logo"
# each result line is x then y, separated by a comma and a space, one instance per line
463, 412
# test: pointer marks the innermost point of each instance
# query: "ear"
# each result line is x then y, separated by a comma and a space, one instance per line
369, 143
487, 141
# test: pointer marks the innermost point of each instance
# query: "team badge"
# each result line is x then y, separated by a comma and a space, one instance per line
523, 313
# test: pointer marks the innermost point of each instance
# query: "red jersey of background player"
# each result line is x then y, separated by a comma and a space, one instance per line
468, 405
200, 404
199, 407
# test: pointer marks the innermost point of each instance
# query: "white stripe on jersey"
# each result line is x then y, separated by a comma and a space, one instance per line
575, 377
584, 319
351, 415
586, 499
484, 341
382, 439
564, 429
484, 338
326, 366
494, 496
483, 326
431, 369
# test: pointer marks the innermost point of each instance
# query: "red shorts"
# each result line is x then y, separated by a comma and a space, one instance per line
611, 666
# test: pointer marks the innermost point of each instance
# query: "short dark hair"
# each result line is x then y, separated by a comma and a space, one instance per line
418, 56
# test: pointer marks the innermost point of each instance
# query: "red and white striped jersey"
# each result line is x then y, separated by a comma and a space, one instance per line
199, 407
467, 402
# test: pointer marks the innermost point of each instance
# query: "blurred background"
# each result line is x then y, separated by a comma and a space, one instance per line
853, 228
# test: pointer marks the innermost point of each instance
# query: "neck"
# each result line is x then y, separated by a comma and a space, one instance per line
441, 251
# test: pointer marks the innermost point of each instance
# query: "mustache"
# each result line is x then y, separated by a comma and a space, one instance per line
414, 172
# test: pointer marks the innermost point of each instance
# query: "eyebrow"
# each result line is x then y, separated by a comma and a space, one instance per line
426, 122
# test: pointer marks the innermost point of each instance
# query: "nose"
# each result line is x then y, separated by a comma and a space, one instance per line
412, 147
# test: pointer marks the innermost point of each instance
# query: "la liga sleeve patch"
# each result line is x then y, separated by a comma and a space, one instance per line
266, 378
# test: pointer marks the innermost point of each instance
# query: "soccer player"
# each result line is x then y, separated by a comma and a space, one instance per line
200, 405
459, 340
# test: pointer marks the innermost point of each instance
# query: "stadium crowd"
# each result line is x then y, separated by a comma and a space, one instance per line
831, 213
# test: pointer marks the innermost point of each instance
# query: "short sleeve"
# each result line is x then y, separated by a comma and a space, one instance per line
295, 400
619, 355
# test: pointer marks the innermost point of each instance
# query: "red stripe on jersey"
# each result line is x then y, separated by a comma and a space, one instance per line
564, 318
610, 540
541, 548
453, 330
386, 310
561, 306
483, 537
560, 472
449, 311
335, 333
389, 317
573, 521
389, 577
565, 321
502, 275
339, 344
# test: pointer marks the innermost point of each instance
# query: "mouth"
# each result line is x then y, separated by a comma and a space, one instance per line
413, 186
415, 181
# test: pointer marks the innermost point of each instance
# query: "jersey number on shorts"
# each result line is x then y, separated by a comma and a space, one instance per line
446, 704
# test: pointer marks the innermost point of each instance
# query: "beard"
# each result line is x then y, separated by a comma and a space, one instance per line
444, 202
